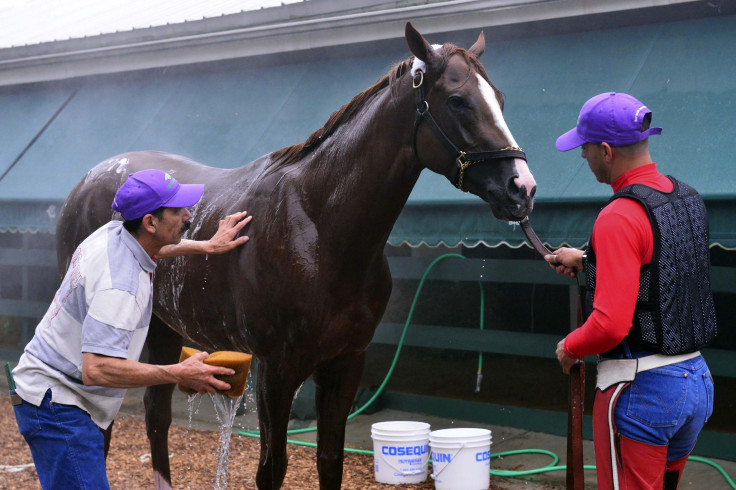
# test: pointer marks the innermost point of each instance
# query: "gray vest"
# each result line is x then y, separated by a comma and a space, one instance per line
674, 310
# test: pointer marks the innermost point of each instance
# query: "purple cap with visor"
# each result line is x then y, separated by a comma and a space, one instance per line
613, 118
148, 190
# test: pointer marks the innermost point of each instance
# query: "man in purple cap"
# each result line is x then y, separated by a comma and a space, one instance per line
648, 304
72, 376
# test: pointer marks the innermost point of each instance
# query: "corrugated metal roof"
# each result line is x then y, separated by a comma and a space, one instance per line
314, 24
24, 22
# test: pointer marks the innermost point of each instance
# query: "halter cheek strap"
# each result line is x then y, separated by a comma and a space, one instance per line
462, 159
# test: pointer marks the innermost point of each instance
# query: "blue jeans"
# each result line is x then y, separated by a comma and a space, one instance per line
667, 406
67, 447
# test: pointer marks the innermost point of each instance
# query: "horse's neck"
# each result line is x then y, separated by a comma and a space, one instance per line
366, 175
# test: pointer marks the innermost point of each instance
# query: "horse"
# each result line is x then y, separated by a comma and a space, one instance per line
308, 290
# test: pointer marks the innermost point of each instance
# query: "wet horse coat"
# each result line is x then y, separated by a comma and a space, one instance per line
306, 293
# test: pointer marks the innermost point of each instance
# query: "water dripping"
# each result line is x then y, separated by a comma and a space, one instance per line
225, 410
192, 409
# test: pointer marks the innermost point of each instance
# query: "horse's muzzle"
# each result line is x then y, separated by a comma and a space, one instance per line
516, 205
520, 190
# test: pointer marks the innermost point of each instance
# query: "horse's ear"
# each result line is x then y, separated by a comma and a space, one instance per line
479, 47
417, 44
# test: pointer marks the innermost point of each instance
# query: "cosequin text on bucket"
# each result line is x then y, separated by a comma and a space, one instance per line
441, 457
483, 456
446, 457
404, 451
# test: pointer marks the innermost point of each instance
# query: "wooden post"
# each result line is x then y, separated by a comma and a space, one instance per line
575, 474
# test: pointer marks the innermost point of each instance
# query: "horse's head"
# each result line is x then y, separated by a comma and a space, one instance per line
461, 132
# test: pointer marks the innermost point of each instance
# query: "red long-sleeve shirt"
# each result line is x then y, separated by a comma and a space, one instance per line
623, 243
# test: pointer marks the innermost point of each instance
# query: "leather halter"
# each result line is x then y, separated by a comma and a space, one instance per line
462, 158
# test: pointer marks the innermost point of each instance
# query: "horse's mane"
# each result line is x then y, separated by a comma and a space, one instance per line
345, 113
293, 153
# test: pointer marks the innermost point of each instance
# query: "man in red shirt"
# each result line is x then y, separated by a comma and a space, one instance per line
648, 305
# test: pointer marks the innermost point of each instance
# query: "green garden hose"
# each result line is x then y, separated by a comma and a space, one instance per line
553, 466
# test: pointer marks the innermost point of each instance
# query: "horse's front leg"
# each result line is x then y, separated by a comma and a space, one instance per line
164, 347
276, 388
336, 383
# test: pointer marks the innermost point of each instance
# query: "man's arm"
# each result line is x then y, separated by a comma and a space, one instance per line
114, 372
222, 241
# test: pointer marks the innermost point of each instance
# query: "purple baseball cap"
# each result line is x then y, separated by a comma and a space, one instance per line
614, 118
148, 190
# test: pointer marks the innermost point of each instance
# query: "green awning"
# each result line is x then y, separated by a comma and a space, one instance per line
556, 223
226, 114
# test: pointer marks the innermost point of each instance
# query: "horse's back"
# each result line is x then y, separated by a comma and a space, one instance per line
89, 205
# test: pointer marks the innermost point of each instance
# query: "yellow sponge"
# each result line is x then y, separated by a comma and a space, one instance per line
238, 361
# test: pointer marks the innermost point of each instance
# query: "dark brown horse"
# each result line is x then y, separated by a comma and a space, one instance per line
307, 292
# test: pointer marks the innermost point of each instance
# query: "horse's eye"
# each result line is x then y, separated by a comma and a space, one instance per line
456, 102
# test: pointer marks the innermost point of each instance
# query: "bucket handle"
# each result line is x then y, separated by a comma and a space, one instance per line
403, 473
435, 474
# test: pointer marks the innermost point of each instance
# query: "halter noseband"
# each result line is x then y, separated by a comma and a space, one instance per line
463, 159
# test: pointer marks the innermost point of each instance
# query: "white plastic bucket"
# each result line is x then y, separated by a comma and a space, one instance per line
400, 451
461, 458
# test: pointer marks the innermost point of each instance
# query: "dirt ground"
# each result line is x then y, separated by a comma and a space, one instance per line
194, 456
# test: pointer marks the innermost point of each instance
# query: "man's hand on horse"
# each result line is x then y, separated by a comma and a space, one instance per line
226, 239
